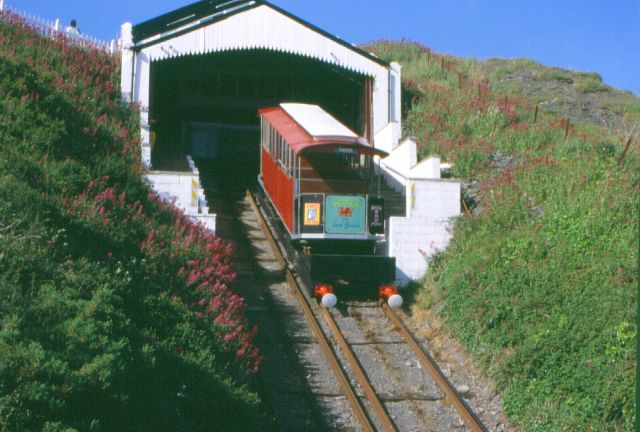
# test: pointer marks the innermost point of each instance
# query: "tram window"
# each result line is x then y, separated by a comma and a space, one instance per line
268, 136
336, 166
263, 134
272, 140
286, 157
281, 154
276, 144
284, 154
290, 165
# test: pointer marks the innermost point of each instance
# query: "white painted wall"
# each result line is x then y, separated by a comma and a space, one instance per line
426, 229
186, 193
431, 206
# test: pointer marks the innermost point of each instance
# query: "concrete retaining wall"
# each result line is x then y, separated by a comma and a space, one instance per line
431, 205
184, 190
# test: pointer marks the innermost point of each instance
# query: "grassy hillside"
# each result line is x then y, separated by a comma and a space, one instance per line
116, 311
540, 280
580, 96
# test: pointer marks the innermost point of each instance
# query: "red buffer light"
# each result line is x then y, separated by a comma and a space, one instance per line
325, 293
390, 294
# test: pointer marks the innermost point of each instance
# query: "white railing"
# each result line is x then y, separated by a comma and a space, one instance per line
53, 29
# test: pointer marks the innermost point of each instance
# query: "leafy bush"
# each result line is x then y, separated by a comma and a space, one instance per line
540, 281
117, 311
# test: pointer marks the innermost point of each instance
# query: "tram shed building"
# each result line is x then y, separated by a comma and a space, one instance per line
201, 72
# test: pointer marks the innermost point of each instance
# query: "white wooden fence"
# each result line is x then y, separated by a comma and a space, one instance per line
54, 29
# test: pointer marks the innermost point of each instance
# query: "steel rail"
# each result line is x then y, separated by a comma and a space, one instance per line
350, 393
464, 410
369, 392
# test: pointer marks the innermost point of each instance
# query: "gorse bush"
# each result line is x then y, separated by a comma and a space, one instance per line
117, 311
540, 280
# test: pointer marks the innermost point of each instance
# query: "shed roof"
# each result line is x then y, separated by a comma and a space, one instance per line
206, 12
305, 126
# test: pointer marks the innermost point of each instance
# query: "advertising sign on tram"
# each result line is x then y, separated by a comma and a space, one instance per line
345, 214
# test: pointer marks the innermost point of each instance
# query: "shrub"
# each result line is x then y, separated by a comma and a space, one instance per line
540, 283
117, 311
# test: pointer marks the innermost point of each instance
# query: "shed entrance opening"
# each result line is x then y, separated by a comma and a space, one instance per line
206, 106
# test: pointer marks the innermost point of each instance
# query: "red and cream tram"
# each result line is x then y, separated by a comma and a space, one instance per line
315, 172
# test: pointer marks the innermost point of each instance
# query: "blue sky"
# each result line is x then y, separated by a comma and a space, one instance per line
588, 35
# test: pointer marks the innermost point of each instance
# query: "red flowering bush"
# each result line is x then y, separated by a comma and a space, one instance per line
117, 308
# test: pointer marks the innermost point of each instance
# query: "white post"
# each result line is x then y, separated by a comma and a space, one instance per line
141, 96
56, 26
395, 101
1, 5
126, 68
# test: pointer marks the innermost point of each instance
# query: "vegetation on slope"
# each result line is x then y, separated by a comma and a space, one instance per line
581, 97
540, 279
116, 310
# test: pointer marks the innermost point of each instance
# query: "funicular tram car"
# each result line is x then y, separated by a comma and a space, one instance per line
315, 172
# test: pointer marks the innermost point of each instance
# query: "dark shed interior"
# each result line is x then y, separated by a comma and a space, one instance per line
206, 105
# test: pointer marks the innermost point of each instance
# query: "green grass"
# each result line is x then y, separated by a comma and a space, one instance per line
589, 83
543, 83
540, 284
116, 311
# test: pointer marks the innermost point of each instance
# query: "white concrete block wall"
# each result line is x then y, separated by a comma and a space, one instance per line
402, 158
178, 186
412, 242
433, 199
427, 168
208, 220
432, 206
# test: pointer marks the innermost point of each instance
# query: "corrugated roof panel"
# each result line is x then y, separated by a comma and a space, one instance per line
265, 27
179, 17
207, 12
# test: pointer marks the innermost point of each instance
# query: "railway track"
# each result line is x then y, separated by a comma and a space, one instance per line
301, 395
348, 368
383, 392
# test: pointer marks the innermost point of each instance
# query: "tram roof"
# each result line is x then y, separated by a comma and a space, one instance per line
305, 126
